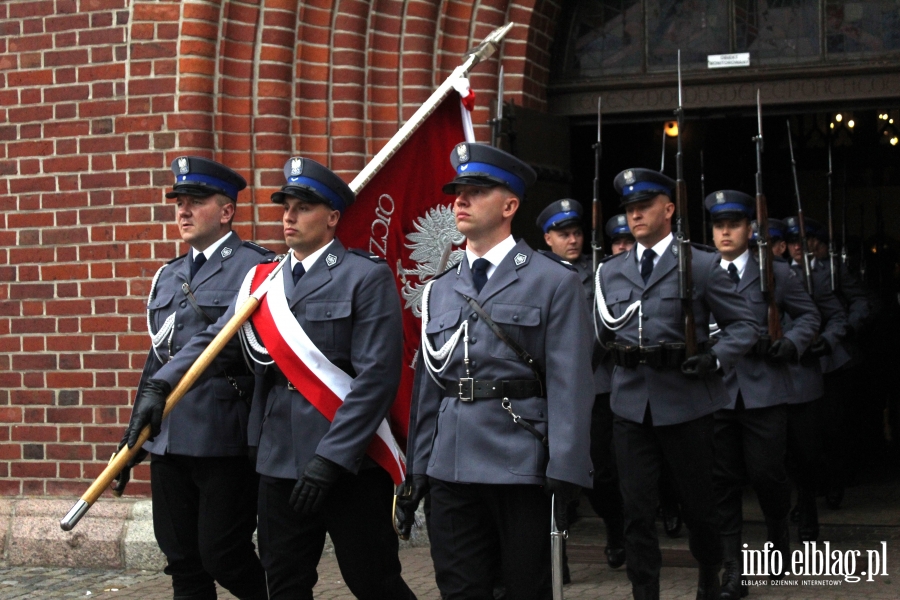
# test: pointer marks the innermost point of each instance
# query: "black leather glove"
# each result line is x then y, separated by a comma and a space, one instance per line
409, 495
700, 365
819, 348
118, 484
565, 492
148, 410
318, 478
783, 351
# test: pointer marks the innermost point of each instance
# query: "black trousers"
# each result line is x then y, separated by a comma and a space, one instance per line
838, 418
804, 446
750, 446
640, 451
605, 497
357, 515
473, 524
204, 514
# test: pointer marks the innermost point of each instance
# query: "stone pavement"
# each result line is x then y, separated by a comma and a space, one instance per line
871, 515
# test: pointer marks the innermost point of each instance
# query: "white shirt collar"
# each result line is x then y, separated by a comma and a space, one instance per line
740, 263
212, 249
494, 256
310, 260
659, 248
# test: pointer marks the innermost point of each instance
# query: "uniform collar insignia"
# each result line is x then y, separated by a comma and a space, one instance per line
226, 252
520, 259
674, 247
330, 260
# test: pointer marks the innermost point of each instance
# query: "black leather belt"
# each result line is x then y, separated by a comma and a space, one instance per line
479, 389
667, 355
281, 380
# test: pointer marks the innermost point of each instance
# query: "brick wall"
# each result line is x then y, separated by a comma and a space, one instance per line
97, 97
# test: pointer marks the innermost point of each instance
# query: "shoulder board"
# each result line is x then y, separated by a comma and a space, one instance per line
176, 258
373, 257
256, 247
555, 258
611, 257
703, 247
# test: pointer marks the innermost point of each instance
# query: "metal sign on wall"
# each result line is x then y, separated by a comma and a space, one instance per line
654, 97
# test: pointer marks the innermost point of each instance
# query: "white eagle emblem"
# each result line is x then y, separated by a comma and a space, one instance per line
462, 152
296, 167
183, 165
720, 198
621, 220
435, 233
629, 176
566, 206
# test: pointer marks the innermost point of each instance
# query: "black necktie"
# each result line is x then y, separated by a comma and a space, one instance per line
732, 272
298, 271
198, 262
647, 264
479, 273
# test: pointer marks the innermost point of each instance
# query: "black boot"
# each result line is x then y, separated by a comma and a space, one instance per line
779, 535
615, 542
708, 585
648, 591
808, 529
671, 515
732, 589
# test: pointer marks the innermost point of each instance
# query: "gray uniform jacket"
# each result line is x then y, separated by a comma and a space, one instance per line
349, 307
673, 398
760, 382
603, 372
807, 375
211, 419
857, 304
540, 304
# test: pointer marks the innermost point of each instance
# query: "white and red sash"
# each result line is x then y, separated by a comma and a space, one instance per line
322, 383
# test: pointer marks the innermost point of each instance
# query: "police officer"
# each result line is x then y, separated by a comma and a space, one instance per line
500, 414
620, 238
561, 224
804, 410
315, 473
840, 381
203, 487
751, 430
662, 401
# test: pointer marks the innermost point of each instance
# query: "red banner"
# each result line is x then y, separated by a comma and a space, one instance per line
403, 216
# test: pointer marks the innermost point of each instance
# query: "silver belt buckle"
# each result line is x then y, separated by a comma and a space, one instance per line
466, 389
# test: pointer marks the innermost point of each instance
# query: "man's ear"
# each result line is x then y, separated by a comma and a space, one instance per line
510, 205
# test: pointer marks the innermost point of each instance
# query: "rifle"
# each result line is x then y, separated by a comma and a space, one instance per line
804, 243
597, 217
835, 276
766, 275
497, 122
557, 539
682, 235
844, 218
483, 51
703, 193
862, 242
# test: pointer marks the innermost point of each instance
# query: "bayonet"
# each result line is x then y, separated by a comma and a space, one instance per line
832, 262
597, 214
804, 242
683, 235
556, 552
497, 121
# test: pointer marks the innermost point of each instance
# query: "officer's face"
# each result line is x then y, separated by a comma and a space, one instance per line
481, 212
650, 220
732, 236
307, 225
795, 249
566, 242
202, 221
778, 247
621, 244
818, 248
